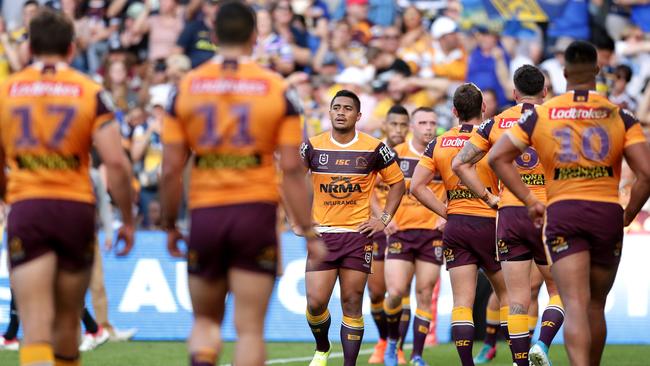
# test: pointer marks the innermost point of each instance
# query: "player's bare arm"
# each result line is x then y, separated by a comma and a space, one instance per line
377, 224
421, 177
118, 170
171, 190
3, 175
638, 157
463, 166
501, 158
296, 197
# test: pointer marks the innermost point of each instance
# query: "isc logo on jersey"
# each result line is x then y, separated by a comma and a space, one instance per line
579, 113
506, 123
456, 141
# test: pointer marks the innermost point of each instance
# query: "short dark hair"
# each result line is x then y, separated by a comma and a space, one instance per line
422, 109
581, 52
31, 2
398, 109
347, 94
468, 101
529, 80
235, 23
50, 33
624, 72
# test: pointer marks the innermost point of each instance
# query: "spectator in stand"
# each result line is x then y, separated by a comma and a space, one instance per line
491, 103
488, 65
272, 50
634, 50
116, 83
639, 12
449, 59
415, 43
19, 36
339, 48
297, 38
605, 49
573, 23
555, 66
163, 28
619, 94
131, 39
356, 15
9, 57
197, 40
382, 12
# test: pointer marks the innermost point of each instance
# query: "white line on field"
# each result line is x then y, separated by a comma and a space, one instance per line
277, 361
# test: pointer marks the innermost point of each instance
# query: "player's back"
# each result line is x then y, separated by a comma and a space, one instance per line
48, 114
233, 114
528, 165
460, 199
580, 137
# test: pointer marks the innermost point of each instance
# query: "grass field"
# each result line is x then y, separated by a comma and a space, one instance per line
174, 354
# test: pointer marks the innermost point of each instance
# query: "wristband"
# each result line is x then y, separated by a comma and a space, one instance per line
486, 195
385, 218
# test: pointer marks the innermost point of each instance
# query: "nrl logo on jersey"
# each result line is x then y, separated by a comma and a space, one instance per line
323, 159
404, 165
578, 113
456, 141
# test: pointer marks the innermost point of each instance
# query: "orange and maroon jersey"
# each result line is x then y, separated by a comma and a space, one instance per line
528, 165
344, 176
438, 157
411, 214
579, 137
232, 114
48, 114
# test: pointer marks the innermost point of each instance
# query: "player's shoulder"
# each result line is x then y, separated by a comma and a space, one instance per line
320, 140
401, 149
369, 142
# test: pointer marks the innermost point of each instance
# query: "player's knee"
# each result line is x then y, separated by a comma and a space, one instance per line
316, 304
352, 305
376, 297
519, 307
423, 296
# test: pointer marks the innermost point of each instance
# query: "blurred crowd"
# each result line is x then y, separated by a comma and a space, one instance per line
411, 52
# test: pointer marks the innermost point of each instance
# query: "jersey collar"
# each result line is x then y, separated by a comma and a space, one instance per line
355, 139
412, 148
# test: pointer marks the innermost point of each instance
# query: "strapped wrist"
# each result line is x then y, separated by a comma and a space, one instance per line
385, 218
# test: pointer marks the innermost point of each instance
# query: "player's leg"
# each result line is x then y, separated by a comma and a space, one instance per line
498, 285
252, 291
601, 282
70, 290
398, 274
492, 324
208, 301
33, 284
318, 287
571, 275
426, 276
463, 286
516, 274
536, 281
377, 294
552, 319
95, 335
404, 322
353, 283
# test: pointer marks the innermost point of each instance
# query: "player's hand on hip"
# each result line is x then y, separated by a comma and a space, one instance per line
492, 200
371, 227
536, 213
125, 234
173, 237
391, 228
316, 249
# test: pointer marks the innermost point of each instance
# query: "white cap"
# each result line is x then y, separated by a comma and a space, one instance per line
353, 75
443, 26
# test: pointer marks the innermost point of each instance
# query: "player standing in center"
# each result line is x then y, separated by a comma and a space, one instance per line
414, 244
233, 115
344, 164
396, 127
469, 234
518, 240
581, 139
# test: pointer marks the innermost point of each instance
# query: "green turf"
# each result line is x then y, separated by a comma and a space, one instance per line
173, 353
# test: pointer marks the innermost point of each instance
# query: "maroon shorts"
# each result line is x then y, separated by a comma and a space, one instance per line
470, 240
379, 242
39, 226
517, 236
345, 250
412, 244
235, 236
573, 226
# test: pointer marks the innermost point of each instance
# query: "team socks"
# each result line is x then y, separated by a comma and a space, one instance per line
519, 338
89, 322
351, 337
421, 323
37, 354
392, 320
491, 327
203, 357
552, 320
404, 321
532, 324
462, 332
379, 316
320, 326
14, 322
